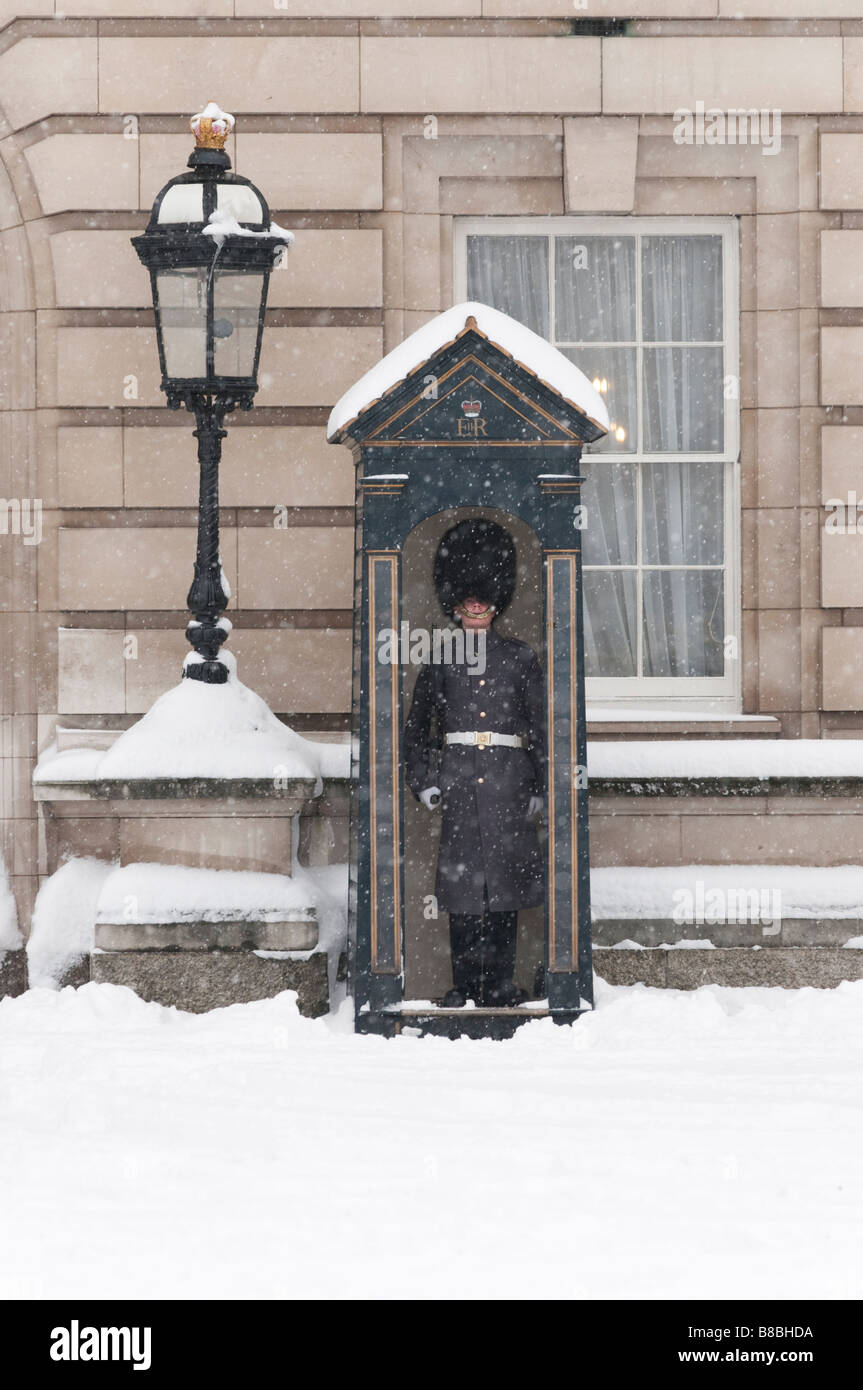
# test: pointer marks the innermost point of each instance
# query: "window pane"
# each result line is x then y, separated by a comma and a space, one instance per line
682, 289
610, 628
616, 368
608, 495
683, 400
684, 623
594, 289
683, 513
183, 315
511, 274
236, 310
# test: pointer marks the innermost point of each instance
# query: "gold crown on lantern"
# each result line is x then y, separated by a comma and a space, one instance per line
211, 127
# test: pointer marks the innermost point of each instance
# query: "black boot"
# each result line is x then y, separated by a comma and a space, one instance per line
506, 995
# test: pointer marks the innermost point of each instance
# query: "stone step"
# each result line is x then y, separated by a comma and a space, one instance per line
788, 967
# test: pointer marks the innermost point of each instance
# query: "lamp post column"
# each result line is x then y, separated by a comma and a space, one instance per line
207, 599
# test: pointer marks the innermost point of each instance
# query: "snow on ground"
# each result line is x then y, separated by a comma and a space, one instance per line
10, 936
521, 343
668, 1145
64, 918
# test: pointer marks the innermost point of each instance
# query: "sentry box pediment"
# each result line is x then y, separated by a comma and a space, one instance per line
472, 378
472, 416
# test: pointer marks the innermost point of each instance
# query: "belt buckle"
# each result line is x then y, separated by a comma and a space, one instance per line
483, 738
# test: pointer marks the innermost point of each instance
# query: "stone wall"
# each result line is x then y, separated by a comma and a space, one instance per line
533, 114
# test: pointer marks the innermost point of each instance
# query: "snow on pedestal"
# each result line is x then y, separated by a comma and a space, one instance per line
200, 798
220, 731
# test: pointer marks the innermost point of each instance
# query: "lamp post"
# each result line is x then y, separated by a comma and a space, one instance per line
209, 247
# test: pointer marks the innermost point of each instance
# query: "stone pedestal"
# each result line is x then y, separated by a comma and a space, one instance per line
13, 972
211, 824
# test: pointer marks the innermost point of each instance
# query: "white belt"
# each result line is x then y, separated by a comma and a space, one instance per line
482, 738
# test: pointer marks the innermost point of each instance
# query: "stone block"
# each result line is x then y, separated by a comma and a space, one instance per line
110, 568
778, 348
310, 171
46, 76
314, 366
778, 456
841, 366
853, 51
841, 451
635, 839
666, 74
99, 269
301, 935
197, 981
841, 569
323, 840
777, 253
262, 466
90, 676
333, 267
361, 9
622, 967
303, 566
105, 367
778, 543
476, 74
599, 163
842, 668
817, 967
80, 172
140, 73
89, 466
841, 182
241, 841
842, 269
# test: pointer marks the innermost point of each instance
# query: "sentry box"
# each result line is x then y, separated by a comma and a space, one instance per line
472, 416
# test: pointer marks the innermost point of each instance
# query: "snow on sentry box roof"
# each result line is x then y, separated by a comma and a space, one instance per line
520, 343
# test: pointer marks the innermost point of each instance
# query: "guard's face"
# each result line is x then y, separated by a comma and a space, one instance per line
475, 614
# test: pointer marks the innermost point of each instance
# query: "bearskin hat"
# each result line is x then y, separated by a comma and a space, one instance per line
475, 558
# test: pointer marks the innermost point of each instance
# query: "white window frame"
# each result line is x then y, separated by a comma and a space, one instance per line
711, 694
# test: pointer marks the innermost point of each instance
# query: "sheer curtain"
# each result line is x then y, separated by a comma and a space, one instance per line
654, 512
683, 412
511, 274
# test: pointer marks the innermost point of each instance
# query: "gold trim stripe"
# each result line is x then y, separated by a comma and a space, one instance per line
569, 557
389, 559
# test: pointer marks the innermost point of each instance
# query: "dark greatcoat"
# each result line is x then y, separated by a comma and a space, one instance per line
486, 838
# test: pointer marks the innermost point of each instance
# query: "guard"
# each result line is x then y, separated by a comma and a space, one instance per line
474, 743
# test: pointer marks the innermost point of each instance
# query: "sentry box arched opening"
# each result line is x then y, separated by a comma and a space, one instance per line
473, 420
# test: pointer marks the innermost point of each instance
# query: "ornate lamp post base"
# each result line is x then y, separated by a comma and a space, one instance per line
208, 597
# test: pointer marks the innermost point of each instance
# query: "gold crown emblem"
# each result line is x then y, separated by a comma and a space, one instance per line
211, 127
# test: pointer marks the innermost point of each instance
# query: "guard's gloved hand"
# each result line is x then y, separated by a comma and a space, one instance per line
534, 808
430, 798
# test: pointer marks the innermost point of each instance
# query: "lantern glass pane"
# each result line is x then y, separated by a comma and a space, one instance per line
237, 297
183, 320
